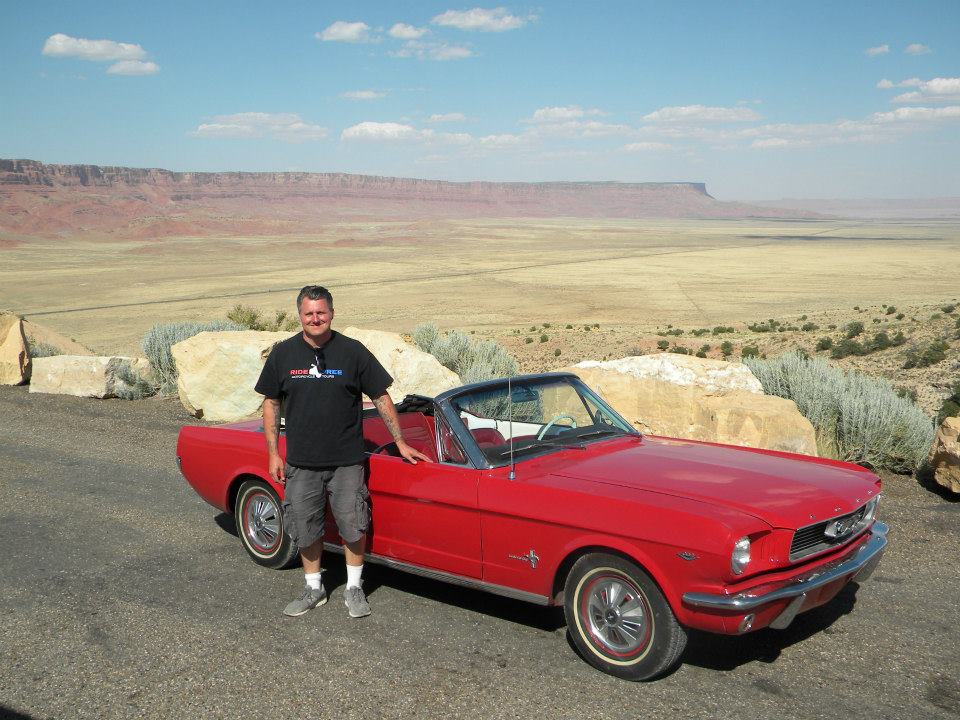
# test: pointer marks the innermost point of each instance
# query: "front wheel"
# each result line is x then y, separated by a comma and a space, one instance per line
259, 522
619, 620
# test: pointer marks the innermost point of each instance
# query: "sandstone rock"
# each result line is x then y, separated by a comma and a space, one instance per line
83, 375
413, 370
42, 334
945, 455
14, 359
217, 371
688, 397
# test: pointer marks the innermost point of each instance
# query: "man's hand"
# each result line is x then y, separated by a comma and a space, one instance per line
410, 454
275, 468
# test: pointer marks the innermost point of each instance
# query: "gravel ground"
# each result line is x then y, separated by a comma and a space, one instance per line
124, 595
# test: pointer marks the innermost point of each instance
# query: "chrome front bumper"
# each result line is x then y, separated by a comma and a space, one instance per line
860, 565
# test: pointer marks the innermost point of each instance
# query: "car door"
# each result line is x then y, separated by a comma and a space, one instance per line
426, 514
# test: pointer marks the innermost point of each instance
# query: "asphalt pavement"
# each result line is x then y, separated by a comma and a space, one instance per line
123, 595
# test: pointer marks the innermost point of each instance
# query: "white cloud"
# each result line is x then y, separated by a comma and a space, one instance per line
917, 49
885, 84
363, 95
402, 31
287, 127
776, 142
481, 19
384, 131
559, 114
581, 128
878, 50
343, 31
935, 90
918, 114
432, 51
647, 146
133, 67
702, 113
500, 141
60, 45
447, 117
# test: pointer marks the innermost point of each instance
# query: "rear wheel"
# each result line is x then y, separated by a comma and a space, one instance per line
619, 620
259, 522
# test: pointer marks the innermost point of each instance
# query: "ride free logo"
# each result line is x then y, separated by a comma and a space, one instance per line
315, 372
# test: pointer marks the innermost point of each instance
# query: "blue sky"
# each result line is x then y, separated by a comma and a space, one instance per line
760, 100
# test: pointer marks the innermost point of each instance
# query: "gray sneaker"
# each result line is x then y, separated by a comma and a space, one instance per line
356, 602
306, 602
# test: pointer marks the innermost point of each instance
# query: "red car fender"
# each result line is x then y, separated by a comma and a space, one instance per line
245, 472
623, 546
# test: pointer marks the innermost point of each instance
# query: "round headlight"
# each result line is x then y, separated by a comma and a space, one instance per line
740, 556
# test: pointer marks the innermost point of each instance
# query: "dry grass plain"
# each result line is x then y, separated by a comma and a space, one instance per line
500, 277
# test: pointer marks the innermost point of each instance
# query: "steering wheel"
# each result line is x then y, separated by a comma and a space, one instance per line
545, 428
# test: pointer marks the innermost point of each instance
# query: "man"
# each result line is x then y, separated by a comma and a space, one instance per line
320, 376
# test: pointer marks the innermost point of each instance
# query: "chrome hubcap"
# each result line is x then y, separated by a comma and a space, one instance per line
261, 522
618, 616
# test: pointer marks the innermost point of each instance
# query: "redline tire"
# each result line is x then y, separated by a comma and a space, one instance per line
619, 620
259, 522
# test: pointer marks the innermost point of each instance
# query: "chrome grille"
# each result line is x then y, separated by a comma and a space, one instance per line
813, 538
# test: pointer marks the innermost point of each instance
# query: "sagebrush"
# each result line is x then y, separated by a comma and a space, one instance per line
473, 360
159, 339
857, 418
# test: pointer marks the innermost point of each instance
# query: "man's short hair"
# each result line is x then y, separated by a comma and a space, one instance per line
314, 292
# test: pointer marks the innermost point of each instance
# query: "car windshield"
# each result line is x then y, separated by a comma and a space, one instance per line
538, 415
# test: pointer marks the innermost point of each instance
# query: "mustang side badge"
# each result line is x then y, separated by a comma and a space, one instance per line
530, 557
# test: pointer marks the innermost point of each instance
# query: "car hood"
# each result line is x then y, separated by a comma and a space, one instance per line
786, 491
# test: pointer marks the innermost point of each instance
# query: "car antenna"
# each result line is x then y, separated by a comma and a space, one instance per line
513, 474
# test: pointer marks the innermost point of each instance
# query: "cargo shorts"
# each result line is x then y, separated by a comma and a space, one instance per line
305, 502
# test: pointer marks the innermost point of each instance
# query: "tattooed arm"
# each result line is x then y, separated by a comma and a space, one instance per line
271, 431
388, 412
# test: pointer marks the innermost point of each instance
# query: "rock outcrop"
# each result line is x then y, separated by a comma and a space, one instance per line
413, 370
48, 336
14, 357
84, 375
701, 399
944, 458
218, 370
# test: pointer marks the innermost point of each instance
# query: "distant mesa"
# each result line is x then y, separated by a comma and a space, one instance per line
37, 199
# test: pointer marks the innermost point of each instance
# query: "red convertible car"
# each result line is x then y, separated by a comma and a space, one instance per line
540, 491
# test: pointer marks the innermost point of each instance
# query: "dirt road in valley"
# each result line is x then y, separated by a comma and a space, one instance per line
123, 595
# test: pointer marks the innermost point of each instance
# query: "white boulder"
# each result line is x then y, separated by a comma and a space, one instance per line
84, 375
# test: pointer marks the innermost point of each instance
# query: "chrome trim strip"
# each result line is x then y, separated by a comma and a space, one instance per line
864, 558
449, 577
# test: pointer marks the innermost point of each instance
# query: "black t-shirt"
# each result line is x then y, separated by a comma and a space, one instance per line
321, 393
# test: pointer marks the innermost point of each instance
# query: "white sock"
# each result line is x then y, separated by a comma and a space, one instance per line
353, 575
313, 580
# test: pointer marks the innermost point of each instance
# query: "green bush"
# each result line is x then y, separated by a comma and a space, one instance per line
880, 341
544, 338
726, 348
854, 329
705, 348
922, 356
569, 327
857, 418
749, 351
900, 316
825, 343
898, 339
38, 349
809, 327
473, 360
528, 340
159, 339
846, 348
556, 353
768, 326
133, 385
251, 319
680, 350
951, 405
700, 331
948, 309
890, 310
721, 329
676, 332
663, 344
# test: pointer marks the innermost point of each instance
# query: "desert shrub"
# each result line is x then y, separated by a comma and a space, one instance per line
831, 326
857, 418
726, 348
856, 307
251, 319
676, 332
921, 356
569, 327
890, 310
877, 321
701, 354
803, 317
596, 325
880, 341
38, 349
721, 329
700, 331
705, 348
825, 343
749, 351
556, 353
663, 344
846, 348
898, 339
425, 335
948, 309
907, 393
159, 339
763, 327
544, 338
809, 327
586, 327
680, 350
473, 360
135, 386
951, 405
900, 316
854, 329
528, 340
546, 325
